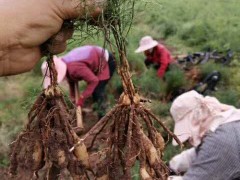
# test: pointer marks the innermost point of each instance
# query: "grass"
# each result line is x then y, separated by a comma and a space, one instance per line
185, 25
17, 93
198, 24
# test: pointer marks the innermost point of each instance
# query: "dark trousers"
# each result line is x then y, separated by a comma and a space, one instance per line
99, 92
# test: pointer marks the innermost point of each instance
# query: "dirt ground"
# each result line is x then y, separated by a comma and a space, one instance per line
90, 119
4, 174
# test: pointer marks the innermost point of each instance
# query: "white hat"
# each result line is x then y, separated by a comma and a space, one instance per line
146, 43
181, 110
195, 114
61, 69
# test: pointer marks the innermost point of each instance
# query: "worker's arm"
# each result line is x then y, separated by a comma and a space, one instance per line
92, 82
181, 162
82, 72
71, 89
164, 62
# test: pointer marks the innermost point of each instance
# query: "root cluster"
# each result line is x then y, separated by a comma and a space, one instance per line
132, 138
41, 151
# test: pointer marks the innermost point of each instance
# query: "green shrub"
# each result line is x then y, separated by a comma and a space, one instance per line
175, 79
135, 171
136, 64
150, 84
160, 109
234, 79
210, 66
167, 28
5, 139
228, 96
114, 87
195, 34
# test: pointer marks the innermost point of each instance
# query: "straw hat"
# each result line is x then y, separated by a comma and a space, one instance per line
61, 68
146, 43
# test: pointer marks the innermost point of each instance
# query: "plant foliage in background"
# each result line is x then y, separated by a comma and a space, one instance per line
175, 79
159, 18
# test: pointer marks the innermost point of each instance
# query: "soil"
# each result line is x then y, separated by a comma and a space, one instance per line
4, 174
89, 120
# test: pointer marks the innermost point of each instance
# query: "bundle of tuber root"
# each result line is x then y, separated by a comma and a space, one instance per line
41, 151
132, 138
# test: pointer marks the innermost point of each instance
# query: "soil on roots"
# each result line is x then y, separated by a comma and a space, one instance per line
4, 174
90, 119
131, 137
42, 148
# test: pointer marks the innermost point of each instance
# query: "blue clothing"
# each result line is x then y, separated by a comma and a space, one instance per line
218, 158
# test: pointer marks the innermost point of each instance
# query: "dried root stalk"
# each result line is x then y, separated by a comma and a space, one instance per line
41, 151
132, 138
128, 143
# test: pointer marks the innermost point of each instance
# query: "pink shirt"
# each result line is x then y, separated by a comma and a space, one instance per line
162, 57
86, 63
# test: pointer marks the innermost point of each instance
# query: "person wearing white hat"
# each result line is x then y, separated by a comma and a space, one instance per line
213, 129
156, 54
92, 64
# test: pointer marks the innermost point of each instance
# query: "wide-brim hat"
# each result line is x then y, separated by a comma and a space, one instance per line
194, 115
61, 69
182, 131
146, 43
181, 110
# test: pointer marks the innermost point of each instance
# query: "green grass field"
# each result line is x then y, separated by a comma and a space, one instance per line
185, 25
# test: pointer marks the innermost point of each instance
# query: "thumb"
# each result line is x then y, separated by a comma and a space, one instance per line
58, 42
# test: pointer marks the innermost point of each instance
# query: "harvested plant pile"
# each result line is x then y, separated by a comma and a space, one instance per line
41, 151
132, 137
132, 134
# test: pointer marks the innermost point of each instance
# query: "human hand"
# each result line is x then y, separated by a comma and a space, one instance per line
27, 24
73, 99
175, 178
80, 101
180, 163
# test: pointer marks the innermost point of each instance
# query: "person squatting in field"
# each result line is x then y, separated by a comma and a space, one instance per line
89, 63
212, 128
27, 24
156, 54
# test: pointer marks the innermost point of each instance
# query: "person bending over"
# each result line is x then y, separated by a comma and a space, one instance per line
156, 54
212, 128
92, 64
